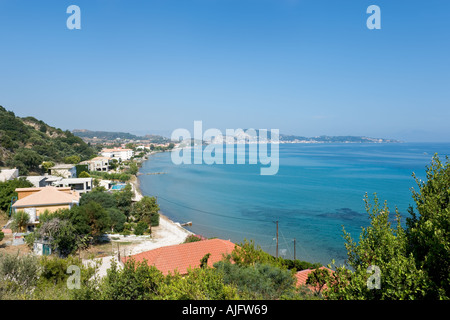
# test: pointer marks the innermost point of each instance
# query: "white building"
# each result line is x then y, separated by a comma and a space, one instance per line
9, 174
98, 164
118, 153
82, 185
64, 170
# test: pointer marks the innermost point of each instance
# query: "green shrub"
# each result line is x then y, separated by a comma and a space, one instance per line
141, 228
192, 238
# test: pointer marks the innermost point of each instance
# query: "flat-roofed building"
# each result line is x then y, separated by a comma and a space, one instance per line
82, 185
98, 164
35, 201
64, 170
8, 174
118, 153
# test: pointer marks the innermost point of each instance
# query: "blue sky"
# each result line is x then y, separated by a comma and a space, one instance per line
306, 67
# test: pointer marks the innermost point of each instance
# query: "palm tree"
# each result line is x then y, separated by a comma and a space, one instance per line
20, 221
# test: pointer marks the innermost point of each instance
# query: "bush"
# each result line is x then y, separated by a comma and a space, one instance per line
192, 238
84, 174
18, 276
136, 281
106, 200
258, 281
117, 219
141, 228
7, 191
91, 218
72, 159
146, 210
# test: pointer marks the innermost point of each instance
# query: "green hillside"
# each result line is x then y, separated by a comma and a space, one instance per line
104, 135
27, 142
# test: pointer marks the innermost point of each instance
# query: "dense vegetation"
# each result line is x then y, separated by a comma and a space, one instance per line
99, 212
389, 261
106, 135
30, 277
27, 142
7, 191
112, 136
410, 262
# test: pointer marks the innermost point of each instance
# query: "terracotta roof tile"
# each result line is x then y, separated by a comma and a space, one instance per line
181, 257
302, 276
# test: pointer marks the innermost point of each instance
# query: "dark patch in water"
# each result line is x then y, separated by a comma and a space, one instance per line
343, 214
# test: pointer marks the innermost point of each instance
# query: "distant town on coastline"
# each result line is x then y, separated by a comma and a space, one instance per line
97, 137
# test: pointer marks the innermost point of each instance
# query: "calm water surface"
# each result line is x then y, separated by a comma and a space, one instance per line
318, 189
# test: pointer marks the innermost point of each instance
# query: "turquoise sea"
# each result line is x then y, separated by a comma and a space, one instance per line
318, 189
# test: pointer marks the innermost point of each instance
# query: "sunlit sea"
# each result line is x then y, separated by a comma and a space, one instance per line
318, 190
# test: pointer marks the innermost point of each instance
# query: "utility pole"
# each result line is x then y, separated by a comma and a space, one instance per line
277, 238
294, 248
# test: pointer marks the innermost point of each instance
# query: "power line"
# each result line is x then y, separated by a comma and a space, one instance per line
209, 212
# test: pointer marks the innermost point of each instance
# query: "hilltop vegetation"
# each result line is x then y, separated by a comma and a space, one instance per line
107, 135
27, 142
111, 136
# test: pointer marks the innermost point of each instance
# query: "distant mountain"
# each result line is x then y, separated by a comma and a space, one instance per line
334, 139
104, 135
110, 136
26, 142
245, 135
283, 138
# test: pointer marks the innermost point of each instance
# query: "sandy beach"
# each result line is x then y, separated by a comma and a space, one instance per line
166, 234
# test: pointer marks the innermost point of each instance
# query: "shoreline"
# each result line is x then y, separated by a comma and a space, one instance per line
167, 224
167, 233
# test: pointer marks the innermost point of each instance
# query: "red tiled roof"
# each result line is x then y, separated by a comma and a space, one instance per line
182, 256
302, 276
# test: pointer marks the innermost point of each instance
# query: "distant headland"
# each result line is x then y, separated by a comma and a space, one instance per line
103, 136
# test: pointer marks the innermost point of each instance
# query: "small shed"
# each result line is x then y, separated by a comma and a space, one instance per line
42, 247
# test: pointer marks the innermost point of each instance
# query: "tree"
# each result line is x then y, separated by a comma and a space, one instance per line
91, 217
84, 174
319, 278
74, 159
204, 260
136, 281
141, 228
7, 191
428, 229
246, 254
133, 168
147, 210
124, 200
61, 233
117, 219
26, 160
380, 247
2, 235
106, 200
20, 221
46, 165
